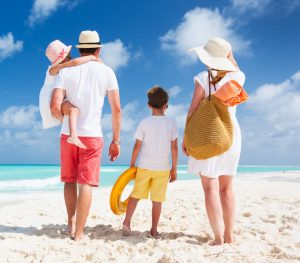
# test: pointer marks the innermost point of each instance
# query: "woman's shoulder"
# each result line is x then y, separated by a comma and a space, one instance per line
201, 78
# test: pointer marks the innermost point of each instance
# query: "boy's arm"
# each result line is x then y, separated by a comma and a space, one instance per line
72, 63
135, 152
174, 152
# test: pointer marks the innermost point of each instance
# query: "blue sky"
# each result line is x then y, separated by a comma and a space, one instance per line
146, 43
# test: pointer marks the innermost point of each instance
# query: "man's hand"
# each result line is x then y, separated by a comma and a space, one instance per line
114, 151
173, 175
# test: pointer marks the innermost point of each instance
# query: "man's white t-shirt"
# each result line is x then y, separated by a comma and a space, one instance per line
86, 86
156, 133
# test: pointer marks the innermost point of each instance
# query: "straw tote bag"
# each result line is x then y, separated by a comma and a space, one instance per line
209, 130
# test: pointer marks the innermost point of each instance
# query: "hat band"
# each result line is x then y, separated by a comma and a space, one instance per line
90, 43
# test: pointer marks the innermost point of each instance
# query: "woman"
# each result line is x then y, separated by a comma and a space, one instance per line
217, 172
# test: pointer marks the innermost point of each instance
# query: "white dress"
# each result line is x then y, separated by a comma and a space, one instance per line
48, 120
226, 163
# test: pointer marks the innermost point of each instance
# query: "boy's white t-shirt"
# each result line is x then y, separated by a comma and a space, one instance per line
156, 133
86, 86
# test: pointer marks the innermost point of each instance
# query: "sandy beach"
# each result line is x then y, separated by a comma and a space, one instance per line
267, 226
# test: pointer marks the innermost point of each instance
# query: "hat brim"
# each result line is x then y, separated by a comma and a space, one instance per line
217, 63
88, 46
64, 57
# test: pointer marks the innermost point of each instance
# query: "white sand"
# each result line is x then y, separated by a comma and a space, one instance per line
267, 227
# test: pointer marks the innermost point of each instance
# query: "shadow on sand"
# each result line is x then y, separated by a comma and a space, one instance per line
103, 232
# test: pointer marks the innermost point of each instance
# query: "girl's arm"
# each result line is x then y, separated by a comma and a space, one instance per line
72, 63
135, 152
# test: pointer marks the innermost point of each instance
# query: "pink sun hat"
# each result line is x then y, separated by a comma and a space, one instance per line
57, 51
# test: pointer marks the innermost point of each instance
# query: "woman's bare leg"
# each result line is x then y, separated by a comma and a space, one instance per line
73, 112
213, 207
228, 206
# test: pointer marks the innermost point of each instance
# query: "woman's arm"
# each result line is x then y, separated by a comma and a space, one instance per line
174, 152
72, 63
198, 96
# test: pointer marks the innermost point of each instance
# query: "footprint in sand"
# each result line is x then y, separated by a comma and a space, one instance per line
247, 214
279, 254
269, 221
289, 219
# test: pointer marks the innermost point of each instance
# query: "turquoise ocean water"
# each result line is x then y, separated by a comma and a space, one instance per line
34, 178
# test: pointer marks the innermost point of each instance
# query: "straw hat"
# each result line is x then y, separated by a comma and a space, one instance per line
89, 39
214, 54
57, 51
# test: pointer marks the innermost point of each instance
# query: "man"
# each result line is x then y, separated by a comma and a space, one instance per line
85, 86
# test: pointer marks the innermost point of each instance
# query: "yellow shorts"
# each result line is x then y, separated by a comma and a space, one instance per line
145, 180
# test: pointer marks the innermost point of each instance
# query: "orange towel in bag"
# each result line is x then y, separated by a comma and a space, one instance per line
231, 93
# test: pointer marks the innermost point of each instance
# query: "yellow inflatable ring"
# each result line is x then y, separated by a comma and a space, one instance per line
116, 205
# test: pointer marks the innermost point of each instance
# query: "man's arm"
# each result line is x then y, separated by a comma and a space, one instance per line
56, 101
115, 105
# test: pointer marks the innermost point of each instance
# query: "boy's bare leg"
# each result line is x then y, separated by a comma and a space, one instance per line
156, 210
73, 112
82, 209
70, 194
132, 203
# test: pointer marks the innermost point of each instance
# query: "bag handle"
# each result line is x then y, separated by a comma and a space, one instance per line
209, 78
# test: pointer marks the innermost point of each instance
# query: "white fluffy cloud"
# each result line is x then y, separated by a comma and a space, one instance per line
271, 123
115, 54
174, 91
19, 117
8, 46
197, 26
42, 9
260, 7
22, 139
243, 6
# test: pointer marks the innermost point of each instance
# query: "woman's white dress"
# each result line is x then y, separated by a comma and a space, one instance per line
226, 163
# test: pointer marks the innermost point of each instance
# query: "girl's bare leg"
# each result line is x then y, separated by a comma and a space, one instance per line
73, 112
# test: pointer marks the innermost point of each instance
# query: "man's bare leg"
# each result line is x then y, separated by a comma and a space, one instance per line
84, 201
73, 112
70, 194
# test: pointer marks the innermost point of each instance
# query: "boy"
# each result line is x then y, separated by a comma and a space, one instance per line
156, 136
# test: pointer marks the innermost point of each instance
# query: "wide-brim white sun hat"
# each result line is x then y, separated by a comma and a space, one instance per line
89, 39
57, 51
214, 54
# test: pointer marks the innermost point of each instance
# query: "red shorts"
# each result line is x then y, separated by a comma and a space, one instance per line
81, 165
